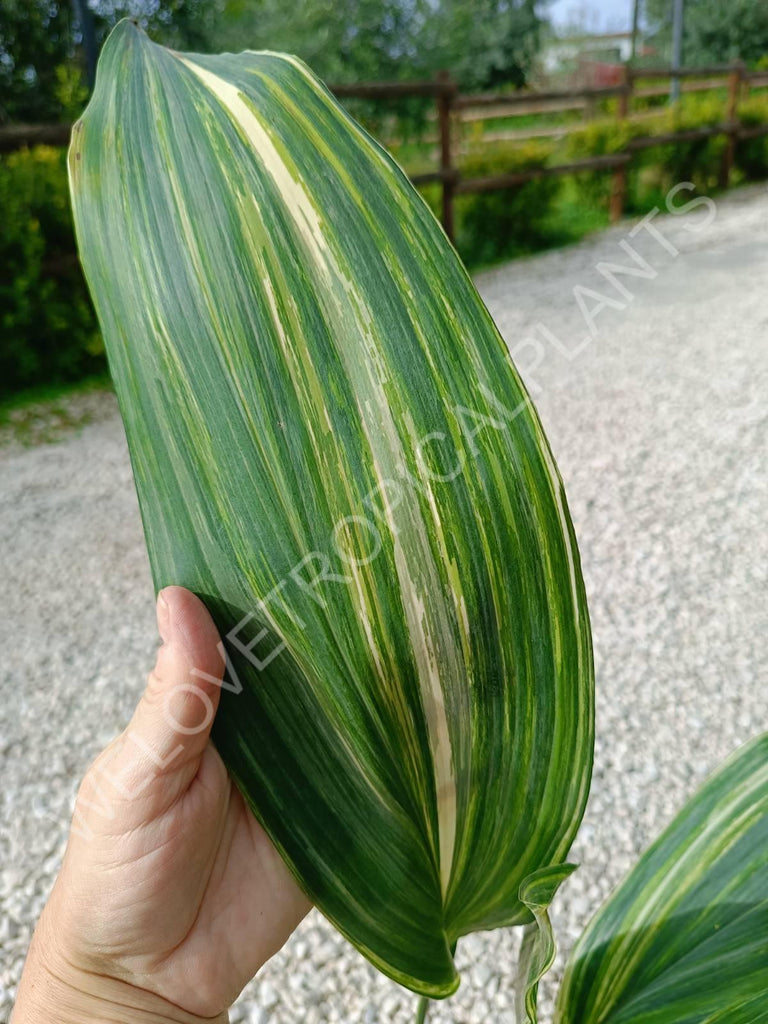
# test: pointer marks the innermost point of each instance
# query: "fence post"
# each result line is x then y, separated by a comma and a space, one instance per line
732, 113
619, 180
445, 100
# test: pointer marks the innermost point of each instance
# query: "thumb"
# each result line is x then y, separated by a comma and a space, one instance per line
159, 753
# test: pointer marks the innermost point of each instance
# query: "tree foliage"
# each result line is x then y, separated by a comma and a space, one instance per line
184, 24
36, 41
483, 42
487, 43
41, 69
714, 31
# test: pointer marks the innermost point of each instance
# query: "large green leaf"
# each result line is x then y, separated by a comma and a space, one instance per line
331, 447
684, 940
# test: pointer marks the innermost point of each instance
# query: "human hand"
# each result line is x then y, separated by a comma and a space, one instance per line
170, 896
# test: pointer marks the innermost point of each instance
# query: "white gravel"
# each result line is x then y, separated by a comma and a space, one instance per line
660, 428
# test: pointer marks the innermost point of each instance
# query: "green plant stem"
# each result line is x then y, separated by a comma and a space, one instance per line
422, 1010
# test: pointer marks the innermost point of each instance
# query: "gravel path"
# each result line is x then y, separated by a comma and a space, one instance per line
660, 427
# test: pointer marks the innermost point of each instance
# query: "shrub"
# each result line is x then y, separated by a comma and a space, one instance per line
653, 171
699, 160
432, 196
752, 154
506, 222
599, 138
49, 331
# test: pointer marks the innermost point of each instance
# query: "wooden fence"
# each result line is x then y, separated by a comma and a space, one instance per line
450, 104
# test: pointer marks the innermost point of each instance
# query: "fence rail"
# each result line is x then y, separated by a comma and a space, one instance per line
506, 99
16, 136
450, 104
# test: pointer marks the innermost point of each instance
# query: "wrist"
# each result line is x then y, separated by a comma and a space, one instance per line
55, 991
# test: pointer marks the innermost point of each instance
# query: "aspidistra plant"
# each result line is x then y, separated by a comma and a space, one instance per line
332, 447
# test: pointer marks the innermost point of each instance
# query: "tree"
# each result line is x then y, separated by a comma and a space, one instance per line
183, 24
716, 32
36, 42
42, 68
483, 42
486, 43
343, 40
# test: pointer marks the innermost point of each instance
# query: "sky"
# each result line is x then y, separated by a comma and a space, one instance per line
600, 15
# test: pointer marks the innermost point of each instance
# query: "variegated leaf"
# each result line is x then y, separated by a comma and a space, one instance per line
332, 447
684, 940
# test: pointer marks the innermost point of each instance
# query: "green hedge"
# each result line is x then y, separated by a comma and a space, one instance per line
752, 154
656, 170
49, 331
653, 171
491, 225
494, 225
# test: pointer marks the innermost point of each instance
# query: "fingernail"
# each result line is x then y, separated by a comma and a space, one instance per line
163, 616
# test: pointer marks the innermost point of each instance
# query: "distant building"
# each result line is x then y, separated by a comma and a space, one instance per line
564, 54
588, 59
